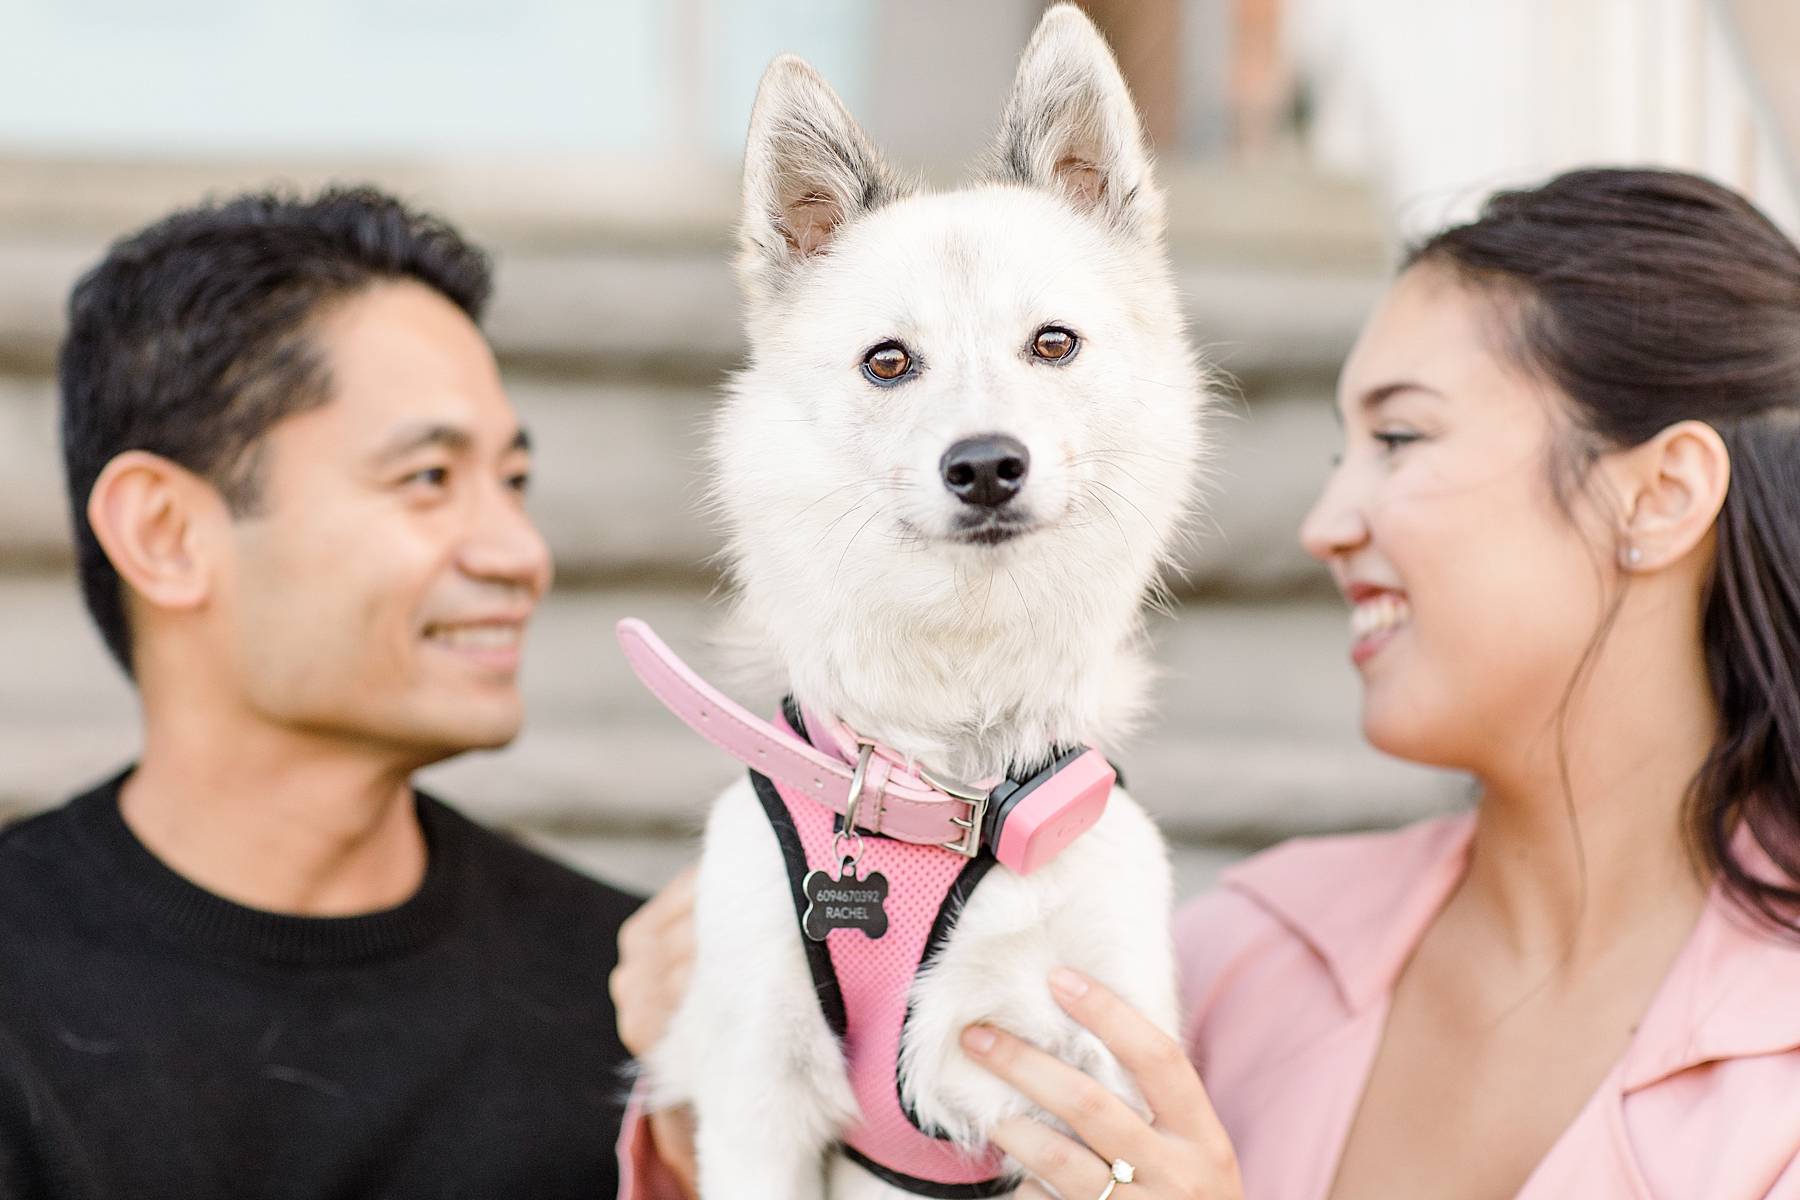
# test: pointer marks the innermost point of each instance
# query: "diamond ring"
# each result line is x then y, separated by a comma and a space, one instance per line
1122, 1172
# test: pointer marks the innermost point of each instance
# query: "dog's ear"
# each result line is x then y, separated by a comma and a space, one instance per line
1071, 127
808, 169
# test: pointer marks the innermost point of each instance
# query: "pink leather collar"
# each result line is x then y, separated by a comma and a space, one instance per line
1033, 822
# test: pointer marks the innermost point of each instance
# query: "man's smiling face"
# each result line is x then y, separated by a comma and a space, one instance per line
380, 591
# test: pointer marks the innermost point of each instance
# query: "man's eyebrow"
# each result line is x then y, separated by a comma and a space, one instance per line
453, 438
450, 437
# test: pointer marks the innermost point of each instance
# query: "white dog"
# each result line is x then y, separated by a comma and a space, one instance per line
959, 456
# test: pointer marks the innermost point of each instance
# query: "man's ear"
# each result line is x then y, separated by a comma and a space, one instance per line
1071, 127
808, 171
157, 521
1673, 487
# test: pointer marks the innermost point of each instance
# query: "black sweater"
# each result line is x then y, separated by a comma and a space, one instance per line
159, 1041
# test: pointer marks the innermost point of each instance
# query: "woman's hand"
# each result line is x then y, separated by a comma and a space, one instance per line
656, 957
1183, 1154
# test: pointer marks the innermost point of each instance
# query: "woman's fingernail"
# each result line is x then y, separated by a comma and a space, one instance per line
978, 1039
1065, 982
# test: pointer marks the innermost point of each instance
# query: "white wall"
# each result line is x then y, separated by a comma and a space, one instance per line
1444, 100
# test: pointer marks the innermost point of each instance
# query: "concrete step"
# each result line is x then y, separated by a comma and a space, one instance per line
623, 267
675, 314
1273, 213
1255, 738
620, 476
34, 510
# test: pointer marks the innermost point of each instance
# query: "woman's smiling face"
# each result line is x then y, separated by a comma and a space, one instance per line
1474, 594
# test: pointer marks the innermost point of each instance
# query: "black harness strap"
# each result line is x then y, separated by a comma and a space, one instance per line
1004, 1185
818, 956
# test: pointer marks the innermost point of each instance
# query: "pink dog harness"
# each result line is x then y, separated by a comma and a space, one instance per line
864, 943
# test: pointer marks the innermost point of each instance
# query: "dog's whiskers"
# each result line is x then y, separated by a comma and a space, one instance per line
840, 563
1024, 604
1107, 509
1162, 383
1115, 456
1128, 500
826, 533
873, 484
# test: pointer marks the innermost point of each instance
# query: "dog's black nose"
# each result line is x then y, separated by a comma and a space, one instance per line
987, 470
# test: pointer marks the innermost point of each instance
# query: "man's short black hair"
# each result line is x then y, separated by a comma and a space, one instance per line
190, 340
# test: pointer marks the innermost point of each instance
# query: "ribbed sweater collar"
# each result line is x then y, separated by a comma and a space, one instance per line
191, 913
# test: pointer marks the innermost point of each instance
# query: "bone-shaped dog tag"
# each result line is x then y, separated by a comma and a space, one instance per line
845, 902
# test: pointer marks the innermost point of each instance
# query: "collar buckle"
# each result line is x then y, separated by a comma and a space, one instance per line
969, 844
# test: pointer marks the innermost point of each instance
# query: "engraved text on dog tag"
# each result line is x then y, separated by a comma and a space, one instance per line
844, 903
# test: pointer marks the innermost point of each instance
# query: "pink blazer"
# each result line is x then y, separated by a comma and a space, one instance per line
1288, 966
1286, 971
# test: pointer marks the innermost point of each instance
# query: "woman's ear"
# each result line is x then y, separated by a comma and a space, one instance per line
1673, 485
156, 520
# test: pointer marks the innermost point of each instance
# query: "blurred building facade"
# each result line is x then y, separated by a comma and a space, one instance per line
1443, 102
593, 144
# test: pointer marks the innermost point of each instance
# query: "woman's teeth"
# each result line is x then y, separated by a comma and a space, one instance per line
1378, 614
476, 637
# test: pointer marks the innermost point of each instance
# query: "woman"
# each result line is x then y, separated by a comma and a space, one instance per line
1567, 517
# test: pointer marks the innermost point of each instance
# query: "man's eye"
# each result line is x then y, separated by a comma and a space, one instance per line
430, 477
520, 483
1395, 439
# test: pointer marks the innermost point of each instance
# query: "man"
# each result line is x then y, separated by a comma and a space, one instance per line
259, 963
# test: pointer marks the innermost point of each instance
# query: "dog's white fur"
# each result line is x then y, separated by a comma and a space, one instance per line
856, 584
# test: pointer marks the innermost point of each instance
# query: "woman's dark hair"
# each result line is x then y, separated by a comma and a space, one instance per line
1648, 298
190, 340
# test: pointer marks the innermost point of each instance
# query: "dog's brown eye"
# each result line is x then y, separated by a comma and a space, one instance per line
1053, 344
887, 363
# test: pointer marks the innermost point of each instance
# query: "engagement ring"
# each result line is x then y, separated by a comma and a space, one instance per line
1122, 1172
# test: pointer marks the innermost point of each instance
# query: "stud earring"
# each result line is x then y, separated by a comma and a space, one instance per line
1633, 556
